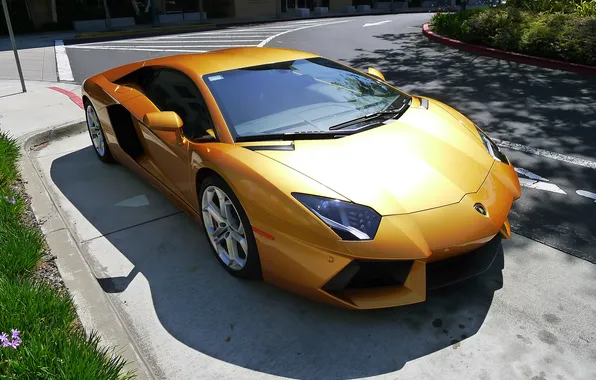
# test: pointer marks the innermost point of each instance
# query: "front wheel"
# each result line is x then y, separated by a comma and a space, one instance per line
228, 229
96, 133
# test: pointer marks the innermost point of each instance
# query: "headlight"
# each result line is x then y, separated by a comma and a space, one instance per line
492, 148
349, 221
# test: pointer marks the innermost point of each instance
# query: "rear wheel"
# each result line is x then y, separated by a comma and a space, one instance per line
228, 229
96, 133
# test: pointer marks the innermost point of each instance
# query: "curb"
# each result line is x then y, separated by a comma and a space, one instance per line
510, 56
94, 308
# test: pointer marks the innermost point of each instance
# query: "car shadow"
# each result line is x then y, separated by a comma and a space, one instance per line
251, 324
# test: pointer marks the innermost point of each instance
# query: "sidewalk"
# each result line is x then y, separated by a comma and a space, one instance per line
36, 53
44, 105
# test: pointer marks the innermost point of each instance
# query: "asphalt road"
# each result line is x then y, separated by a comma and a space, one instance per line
543, 109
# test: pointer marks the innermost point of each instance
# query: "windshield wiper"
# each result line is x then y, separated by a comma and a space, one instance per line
307, 135
396, 112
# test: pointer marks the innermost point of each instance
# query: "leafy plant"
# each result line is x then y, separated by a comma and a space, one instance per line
585, 7
37, 337
9, 155
563, 36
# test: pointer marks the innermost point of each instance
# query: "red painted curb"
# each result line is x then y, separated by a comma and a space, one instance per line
501, 54
74, 97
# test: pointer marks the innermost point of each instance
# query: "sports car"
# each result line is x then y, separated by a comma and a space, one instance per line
309, 174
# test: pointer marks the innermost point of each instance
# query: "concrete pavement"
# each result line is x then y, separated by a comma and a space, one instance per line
42, 106
36, 53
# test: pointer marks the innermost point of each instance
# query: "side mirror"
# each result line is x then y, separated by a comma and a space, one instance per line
163, 121
376, 73
211, 133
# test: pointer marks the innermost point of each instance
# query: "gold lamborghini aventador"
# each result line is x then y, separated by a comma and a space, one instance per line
309, 174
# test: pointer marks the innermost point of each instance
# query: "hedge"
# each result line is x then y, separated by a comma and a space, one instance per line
563, 36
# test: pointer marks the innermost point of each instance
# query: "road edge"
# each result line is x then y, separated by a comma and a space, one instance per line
510, 56
94, 308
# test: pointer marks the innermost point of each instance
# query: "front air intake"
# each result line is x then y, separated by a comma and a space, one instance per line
367, 274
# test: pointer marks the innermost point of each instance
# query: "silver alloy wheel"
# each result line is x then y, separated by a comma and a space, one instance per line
95, 131
224, 227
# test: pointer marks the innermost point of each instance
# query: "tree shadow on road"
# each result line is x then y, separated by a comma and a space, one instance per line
550, 109
250, 324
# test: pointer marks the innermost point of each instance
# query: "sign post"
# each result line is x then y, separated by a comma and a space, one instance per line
14, 44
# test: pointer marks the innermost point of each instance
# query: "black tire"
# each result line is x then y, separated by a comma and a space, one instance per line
107, 154
252, 268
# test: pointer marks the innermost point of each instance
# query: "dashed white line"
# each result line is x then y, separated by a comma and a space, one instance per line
587, 194
539, 185
531, 175
62, 62
375, 23
265, 42
547, 154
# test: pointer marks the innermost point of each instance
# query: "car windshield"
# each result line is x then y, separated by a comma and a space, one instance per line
300, 96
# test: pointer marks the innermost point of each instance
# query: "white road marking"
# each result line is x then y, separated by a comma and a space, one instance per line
547, 154
180, 41
136, 201
265, 42
125, 48
531, 175
587, 194
376, 23
534, 181
62, 62
170, 47
208, 34
539, 185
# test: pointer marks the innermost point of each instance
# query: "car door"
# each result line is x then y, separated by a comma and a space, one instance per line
168, 155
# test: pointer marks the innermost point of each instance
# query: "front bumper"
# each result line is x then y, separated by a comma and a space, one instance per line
410, 254
365, 284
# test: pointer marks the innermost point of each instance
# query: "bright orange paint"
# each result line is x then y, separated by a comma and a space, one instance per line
426, 204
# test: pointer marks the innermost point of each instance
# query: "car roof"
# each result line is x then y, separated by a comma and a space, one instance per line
228, 59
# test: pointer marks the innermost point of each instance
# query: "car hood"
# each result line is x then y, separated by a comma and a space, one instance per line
425, 159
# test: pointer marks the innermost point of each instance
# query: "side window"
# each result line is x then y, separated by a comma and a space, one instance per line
172, 90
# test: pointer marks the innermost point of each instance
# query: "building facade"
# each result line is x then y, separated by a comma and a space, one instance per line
43, 15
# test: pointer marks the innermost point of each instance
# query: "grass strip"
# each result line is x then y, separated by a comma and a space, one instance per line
49, 344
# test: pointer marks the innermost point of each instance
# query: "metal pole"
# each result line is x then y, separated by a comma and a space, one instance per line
14, 45
278, 8
154, 13
107, 12
201, 17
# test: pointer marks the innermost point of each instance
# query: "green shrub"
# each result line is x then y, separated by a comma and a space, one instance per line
9, 155
548, 6
563, 36
577, 41
541, 35
450, 23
